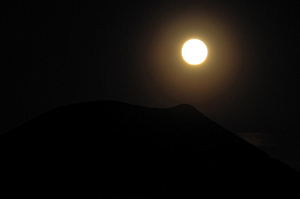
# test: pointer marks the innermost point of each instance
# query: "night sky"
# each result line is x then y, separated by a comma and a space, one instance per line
66, 52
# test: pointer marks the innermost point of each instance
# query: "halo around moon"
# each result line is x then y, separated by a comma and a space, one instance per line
194, 51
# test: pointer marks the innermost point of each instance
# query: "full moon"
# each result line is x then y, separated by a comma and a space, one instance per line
194, 51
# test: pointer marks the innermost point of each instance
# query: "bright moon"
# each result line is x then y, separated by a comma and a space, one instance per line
194, 51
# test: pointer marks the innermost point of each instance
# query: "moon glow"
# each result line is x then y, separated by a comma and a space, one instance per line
194, 51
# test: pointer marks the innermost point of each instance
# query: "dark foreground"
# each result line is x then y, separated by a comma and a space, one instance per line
110, 149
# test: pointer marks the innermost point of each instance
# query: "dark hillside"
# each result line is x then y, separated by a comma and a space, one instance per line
108, 148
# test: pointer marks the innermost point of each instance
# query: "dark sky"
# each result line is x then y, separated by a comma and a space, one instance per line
64, 52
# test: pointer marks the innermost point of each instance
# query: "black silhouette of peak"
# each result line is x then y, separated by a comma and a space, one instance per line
185, 107
107, 149
188, 111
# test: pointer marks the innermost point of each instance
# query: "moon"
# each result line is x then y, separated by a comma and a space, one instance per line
194, 51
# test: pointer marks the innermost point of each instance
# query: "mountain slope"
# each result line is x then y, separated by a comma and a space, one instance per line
106, 148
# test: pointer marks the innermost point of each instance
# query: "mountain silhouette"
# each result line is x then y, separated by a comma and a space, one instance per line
110, 149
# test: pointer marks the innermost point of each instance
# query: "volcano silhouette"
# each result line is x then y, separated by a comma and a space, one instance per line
110, 149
